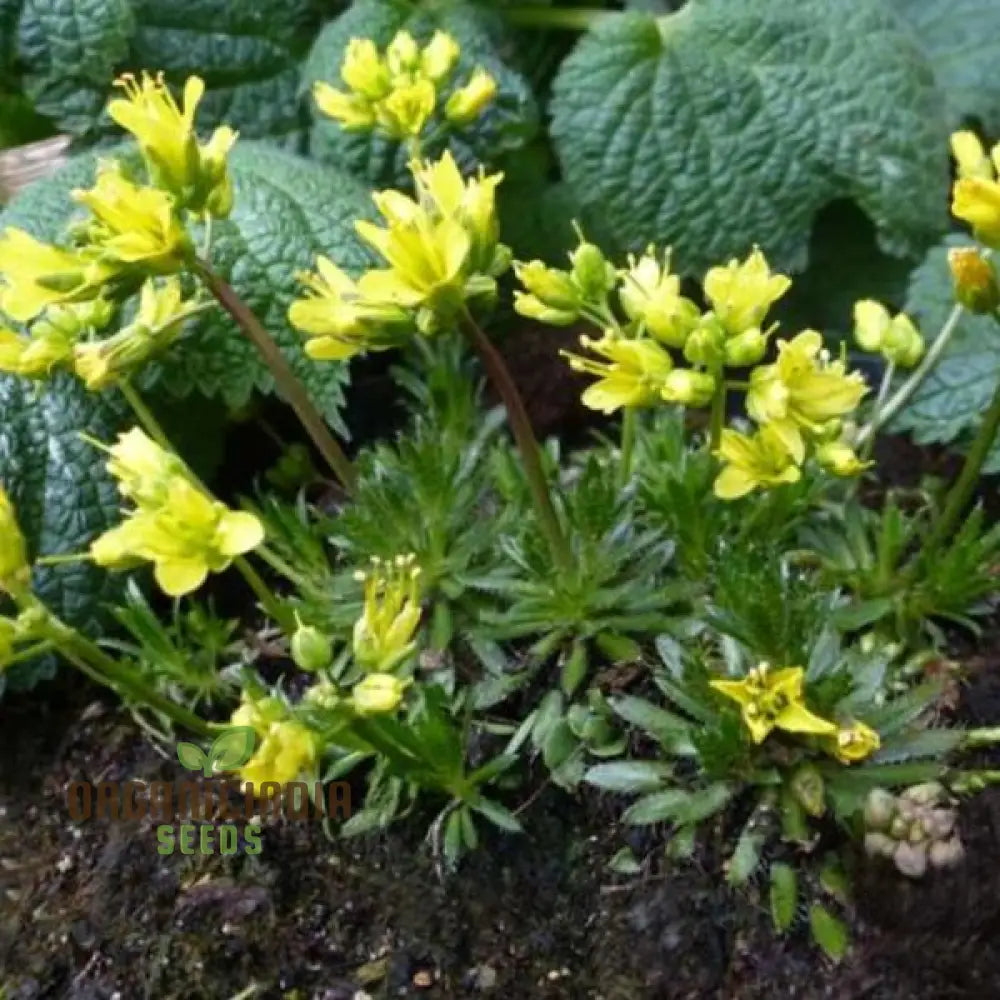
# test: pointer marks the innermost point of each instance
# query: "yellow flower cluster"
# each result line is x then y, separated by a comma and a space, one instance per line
133, 231
441, 250
399, 90
639, 370
174, 525
775, 699
287, 750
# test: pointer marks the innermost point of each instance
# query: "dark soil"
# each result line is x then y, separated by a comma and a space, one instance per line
93, 911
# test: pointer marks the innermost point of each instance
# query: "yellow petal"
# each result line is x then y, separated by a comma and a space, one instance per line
796, 718
733, 483
238, 532
180, 576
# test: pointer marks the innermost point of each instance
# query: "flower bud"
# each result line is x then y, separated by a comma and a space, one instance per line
746, 348
975, 279
902, 343
707, 344
878, 845
377, 694
840, 459
687, 387
311, 649
947, 853
927, 793
940, 823
553, 288
440, 56
591, 272
323, 695
469, 102
871, 320
899, 828
911, 859
880, 807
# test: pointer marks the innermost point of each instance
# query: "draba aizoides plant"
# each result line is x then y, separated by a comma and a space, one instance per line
702, 613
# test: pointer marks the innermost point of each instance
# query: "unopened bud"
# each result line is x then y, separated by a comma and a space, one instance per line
311, 649
975, 280
552, 287
946, 854
880, 807
878, 845
911, 859
687, 387
707, 344
927, 793
902, 343
592, 273
746, 348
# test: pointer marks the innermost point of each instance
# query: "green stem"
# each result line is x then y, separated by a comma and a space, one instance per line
90, 659
268, 601
905, 392
569, 18
629, 421
960, 494
279, 565
868, 442
145, 415
287, 381
982, 737
524, 435
717, 418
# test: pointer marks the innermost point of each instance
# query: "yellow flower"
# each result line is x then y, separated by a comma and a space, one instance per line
33, 357
632, 377
378, 694
760, 461
158, 321
440, 57
405, 112
143, 470
383, 635
14, 569
774, 700
853, 743
35, 275
976, 195
895, 337
337, 320
650, 295
196, 175
287, 751
354, 112
259, 714
741, 293
133, 224
840, 458
187, 537
803, 390
403, 55
467, 103
364, 70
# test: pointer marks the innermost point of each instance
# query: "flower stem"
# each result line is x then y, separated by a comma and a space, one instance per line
868, 442
145, 416
629, 422
905, 392
569, 18
524, 435
91, 660
287, 381
717, 418
268, 600
961, 492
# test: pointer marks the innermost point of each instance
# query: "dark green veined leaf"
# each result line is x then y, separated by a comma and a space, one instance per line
784, 895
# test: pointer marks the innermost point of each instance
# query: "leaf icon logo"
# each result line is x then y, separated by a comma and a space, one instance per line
230, 750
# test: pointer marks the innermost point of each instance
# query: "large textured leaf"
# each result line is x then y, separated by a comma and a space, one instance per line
249, 54
509, 122
70, 50
58, 485
733, 122
953, 397
287, 211
962, 40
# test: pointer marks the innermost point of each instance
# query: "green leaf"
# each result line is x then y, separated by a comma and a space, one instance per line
784, 895
71, 51
952, 398
498, 815
828, 932
59, 487
628, 776
668, 729
746, 856
852, 617
729, 124
677, 806
508, 123
574, 669
193, 757
624, 862
233, 748
962, 41
287, 211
